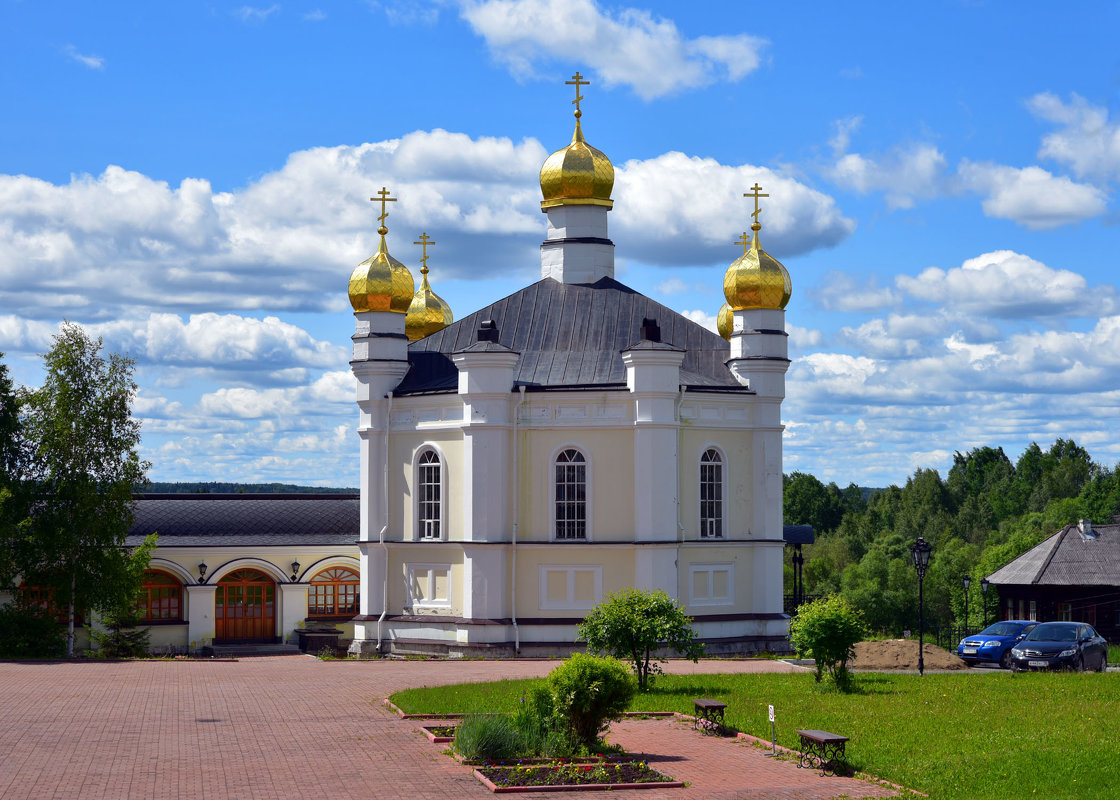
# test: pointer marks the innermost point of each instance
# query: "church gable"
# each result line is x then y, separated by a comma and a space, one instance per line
571, 336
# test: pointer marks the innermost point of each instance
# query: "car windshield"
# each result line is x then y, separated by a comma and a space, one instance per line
1054, 632
1001, 629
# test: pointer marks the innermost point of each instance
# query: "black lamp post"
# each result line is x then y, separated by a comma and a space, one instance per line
919, 551
202, 572
984, 598
966, 581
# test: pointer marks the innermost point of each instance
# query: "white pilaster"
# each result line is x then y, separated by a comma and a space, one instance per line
485, 578
293, 608
200, 613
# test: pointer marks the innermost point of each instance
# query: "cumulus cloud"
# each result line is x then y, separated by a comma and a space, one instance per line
95, 247
255, 14
1030, 196
631, 47
903, 174
841, 291
1088, 142
679, 209
701, 317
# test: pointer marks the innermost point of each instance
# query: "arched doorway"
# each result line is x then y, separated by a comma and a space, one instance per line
245, 608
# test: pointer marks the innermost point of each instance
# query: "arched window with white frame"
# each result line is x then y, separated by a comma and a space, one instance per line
570, 495
711, 495
429, 496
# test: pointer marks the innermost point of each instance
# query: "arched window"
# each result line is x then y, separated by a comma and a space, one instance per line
571, 495
429, 496
711, 495
161, 598
334, 593
42, 599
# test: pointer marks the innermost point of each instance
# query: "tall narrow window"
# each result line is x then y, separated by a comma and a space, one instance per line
571, 495
429, 489
711, 495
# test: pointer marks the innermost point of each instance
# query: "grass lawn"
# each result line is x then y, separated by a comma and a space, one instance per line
996, 735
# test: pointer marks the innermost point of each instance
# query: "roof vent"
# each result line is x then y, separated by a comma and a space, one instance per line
488, 331
1086, 528
651, 331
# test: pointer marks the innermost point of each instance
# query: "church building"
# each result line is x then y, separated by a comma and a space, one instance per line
567, 441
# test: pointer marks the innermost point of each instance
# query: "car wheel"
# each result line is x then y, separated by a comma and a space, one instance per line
1005, 659
1104, 663
1078, 664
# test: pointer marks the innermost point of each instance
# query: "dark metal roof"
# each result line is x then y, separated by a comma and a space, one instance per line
798, 534
253, 520
571, 335
1068, 558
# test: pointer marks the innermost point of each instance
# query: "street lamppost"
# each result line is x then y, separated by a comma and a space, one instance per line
966, 581
984, 598
919, 552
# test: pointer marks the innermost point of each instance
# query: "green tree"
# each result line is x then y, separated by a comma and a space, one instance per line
807, 501
12, 509
827, 630
631, 624
84, 467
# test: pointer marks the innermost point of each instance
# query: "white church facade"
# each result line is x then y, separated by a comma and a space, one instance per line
567, 441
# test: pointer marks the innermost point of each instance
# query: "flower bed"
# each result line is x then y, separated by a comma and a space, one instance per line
441, 734
560, 776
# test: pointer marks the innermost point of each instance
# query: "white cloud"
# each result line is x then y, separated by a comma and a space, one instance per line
315, 15
701, 318
254, 14
903, 173
679, 209
630, 47
1030, 196
840, 291
89, 61
1087, 142
1007, 284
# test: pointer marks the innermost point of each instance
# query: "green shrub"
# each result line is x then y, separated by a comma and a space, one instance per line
122, 638
27, 632
633, 623
586, 692
488, 737
827, 630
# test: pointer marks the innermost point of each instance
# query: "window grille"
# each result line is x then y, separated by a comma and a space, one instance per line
429, 493
711, 495
571, 495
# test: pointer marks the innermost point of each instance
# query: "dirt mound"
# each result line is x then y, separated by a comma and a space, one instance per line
902, 654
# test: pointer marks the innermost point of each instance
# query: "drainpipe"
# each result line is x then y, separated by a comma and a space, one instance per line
516, 516
680, 449
385, 527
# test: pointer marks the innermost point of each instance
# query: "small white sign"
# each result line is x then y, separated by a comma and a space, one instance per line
771, 713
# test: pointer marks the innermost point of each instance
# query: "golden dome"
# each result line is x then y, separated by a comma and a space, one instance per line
725, 322
381, 283
756, 279
577, 174
428, 312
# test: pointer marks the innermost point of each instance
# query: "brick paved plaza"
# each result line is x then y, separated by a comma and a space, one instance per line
296, 727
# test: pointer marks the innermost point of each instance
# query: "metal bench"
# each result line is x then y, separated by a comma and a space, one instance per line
709, 715
822, 750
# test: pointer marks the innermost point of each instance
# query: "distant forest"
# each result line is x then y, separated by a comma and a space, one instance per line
980, 516
216, 487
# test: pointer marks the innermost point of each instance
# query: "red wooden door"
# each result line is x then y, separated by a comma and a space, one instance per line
245, 607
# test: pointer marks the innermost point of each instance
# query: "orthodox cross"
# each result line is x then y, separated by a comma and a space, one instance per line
577, 81
755, 192
383, 198
424, 242
743, 240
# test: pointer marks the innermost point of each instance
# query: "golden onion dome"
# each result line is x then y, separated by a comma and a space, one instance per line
725, 321
381, 283
577, 174
428, 312
756, 279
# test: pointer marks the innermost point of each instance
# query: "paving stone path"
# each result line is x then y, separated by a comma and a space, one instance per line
296, 727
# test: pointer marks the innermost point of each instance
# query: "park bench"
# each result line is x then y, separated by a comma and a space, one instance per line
709, 715
823, 750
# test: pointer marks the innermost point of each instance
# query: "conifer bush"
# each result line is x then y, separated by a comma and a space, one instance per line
827, 631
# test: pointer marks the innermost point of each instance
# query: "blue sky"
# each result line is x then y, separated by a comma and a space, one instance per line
190, 181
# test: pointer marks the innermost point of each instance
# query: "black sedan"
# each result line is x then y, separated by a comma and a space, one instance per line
1061, 645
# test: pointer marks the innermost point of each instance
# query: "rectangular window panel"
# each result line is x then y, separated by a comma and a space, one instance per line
430, 585
570, 587
429, 493
571, 501
711, 499
711, 584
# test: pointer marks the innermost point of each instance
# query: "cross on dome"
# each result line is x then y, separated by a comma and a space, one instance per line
755, 192
424, 242
577, 81
383, 198
743, 240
